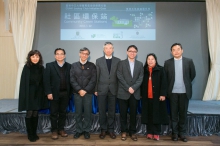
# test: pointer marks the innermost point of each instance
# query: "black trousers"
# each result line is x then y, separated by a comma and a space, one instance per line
130, 103
152, 128
58, 112
179, 106
83, 113
107, 121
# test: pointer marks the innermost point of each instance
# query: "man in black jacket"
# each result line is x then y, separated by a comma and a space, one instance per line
57, 88
83, 81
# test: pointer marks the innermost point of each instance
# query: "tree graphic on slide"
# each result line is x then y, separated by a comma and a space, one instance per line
121, 22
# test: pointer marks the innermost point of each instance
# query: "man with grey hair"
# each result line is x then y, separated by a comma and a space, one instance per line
106, 89
83, 81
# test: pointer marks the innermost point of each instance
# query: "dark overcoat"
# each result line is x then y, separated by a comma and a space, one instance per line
160, 115
31, 97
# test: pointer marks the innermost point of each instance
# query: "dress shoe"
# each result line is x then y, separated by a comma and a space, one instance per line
183, 138
102, 135
77, 135
63, 133
86, 135
174, 137
133, 137
123, 136
112, 135
54, 135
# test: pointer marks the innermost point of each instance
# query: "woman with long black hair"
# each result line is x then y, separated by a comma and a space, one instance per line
31, 94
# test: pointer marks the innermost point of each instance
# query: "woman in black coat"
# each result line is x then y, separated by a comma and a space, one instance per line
153, 92
31, 94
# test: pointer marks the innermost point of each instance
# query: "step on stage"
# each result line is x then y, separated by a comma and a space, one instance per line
203, 120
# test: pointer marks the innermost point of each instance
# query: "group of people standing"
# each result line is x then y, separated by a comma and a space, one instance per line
110, 79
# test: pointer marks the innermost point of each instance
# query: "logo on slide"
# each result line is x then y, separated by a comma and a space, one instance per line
93, 35
118, 35
99, 36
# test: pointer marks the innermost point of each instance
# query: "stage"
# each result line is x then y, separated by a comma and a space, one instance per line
203, 120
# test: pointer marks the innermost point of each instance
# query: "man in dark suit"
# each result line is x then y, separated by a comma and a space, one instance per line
57, 88
130, 75
106, 89
180, 73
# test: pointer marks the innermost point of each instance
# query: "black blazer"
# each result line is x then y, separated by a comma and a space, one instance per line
105, 81
125, 80
189, 74
52, 79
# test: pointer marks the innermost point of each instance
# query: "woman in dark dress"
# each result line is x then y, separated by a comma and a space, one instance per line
153, 92
31, 94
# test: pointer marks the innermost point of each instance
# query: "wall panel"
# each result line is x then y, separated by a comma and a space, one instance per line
8, 61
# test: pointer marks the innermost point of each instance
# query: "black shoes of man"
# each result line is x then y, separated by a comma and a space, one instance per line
182, 138
104, 133
86, 135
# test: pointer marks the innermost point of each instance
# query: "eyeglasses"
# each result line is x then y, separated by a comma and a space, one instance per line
132, 51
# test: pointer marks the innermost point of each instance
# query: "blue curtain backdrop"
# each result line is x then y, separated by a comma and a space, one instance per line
95, 109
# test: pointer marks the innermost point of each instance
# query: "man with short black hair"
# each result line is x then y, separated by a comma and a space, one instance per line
57, 88
180, 73
130, 74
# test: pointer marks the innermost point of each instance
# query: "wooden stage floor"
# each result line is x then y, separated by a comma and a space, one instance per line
45, 140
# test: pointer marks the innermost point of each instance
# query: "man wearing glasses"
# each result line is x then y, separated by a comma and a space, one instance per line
106, 89
57, 88
130, 75
83, 81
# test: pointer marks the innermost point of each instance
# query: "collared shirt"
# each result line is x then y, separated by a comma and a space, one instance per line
131, 67
61, 65
106, 57
179, 58
82, 62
